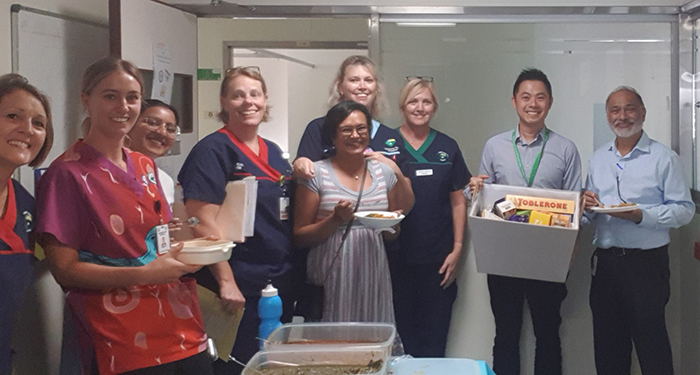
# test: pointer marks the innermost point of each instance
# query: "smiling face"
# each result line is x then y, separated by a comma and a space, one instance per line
358, 85
154, 133
22, 128
245, 101
625, 114
352, 135
532, 102
419, 109
113, 104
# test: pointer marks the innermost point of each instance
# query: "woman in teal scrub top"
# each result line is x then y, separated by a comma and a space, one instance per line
423, 272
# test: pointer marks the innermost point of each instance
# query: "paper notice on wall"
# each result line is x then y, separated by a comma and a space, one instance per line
163, 74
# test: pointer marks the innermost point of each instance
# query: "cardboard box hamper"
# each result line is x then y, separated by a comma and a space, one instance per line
519, 249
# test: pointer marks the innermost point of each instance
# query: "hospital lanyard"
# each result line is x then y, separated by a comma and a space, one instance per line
258, 160
536, 165
7, 223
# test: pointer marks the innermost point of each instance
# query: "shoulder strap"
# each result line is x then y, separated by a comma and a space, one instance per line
347, 229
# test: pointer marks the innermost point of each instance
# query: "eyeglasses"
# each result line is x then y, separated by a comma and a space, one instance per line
422, 78
155, 123
349, 130
256, 69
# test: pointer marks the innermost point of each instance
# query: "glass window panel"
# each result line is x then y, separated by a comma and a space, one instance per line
475, 66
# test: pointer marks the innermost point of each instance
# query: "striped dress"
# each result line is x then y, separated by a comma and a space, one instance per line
358, 288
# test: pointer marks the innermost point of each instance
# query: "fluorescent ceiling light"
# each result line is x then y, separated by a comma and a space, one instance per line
426, 24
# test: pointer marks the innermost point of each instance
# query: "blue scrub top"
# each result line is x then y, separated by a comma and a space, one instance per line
212, 163
436, 170
384, 139
15, 271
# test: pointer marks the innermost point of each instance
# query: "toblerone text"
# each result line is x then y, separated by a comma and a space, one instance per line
543, 204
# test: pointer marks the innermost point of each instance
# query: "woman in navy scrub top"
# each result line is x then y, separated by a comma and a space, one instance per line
356, 81
27, 136
423, 273
232, 153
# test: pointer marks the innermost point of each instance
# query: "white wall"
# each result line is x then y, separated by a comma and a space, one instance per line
475, 66
297, 93
86, 9
143, 23
212, 33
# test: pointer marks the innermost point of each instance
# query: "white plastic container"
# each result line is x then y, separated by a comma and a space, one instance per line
332, 336
519, 249
205, 252
352, 356
379, 222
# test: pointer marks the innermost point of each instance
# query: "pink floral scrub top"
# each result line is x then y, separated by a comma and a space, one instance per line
109, 216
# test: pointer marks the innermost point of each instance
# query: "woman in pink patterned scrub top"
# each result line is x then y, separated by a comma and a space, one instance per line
101, 204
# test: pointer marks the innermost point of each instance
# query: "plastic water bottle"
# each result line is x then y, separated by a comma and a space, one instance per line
269, 311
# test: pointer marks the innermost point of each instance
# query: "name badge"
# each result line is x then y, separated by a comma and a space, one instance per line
163, 238
424, 172
284, 208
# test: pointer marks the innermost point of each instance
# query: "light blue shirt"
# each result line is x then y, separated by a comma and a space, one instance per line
651, 176
560, 166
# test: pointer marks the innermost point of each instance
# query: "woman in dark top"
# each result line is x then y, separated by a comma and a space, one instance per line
423, 272
25, 127
232, 153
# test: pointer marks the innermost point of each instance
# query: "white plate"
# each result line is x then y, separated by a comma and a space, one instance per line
378, 222
205, 252
611, 210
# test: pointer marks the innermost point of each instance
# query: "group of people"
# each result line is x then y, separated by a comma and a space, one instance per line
135, 305
630, 268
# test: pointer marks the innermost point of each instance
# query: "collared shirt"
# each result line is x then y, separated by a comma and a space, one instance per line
560, 165
651, 176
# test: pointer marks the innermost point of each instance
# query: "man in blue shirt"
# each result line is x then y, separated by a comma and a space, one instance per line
630, 283
535, 156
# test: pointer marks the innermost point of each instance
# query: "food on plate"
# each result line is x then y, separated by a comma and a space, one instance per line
381, 216
621, 205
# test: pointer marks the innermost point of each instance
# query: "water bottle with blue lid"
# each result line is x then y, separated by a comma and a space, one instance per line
269, 311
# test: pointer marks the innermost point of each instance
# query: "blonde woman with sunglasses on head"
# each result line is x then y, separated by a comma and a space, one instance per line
423, 272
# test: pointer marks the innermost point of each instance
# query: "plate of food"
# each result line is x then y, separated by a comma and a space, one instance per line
204, 252
609, 209
379, 219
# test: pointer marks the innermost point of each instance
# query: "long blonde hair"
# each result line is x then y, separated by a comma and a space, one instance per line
379, 106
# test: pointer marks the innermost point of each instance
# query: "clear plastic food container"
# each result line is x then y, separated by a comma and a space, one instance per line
319, 336
338, 360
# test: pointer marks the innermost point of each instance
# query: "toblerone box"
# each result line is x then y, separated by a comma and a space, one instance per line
543, 204
540, 218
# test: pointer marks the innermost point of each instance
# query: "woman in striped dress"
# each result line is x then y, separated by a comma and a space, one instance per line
355, 276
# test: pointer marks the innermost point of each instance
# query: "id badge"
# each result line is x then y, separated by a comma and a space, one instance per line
424, 172
284, 208
163, 238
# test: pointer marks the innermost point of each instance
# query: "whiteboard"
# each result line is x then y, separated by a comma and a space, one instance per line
52, 51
